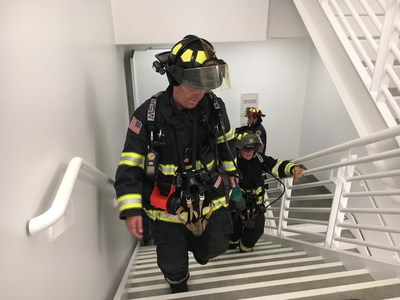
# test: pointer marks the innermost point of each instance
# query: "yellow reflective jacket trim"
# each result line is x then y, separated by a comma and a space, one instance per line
275, 169
166, 217
129, 201
168, 170
132, 159
200, 166
229, 136
228, 165
287, 168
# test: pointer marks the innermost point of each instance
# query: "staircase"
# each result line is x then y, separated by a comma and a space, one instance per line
341, 240
272, 271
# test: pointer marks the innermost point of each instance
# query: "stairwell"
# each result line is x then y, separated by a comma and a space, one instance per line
272, 271
290, 262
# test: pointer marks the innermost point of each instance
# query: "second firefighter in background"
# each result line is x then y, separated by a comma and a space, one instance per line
248, 210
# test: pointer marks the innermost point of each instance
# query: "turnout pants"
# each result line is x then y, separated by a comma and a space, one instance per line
248, 237
174, 240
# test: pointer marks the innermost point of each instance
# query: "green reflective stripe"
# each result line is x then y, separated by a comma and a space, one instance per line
228, 165
129, 201
260, 200
287, 168
229, 136
168, 169
132, 159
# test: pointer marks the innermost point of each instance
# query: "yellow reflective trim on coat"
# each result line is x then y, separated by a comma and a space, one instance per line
155, 214
130, 206
228, 165
129, 201
287, 168
229, 136
275, 169
200, 166
168, 169
132, 159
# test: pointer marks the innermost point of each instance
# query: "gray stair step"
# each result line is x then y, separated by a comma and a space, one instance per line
270, 272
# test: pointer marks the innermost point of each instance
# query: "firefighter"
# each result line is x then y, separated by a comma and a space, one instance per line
248, 210
254, 120
178, 162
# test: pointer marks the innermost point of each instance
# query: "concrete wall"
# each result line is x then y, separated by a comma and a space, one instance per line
62, 95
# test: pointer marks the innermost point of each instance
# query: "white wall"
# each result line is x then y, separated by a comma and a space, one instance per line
163, 22
62, 95
324, 107
276, 69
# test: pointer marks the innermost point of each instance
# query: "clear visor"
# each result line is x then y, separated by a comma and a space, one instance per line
211, 78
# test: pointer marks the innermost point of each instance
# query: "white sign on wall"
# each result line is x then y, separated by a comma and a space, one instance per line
247, 100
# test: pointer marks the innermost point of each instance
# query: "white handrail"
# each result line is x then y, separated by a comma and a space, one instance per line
375, 137
63, 195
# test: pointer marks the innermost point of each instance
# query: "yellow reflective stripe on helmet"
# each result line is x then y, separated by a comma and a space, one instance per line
187, 55
228, 165
129, 201
229, 136
132, 159
176, 48
168, 169
201, 56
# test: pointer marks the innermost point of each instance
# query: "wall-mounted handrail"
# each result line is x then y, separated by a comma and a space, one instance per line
63, 195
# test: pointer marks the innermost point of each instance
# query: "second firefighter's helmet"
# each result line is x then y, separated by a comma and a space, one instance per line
248, 141
252, 111
192, 61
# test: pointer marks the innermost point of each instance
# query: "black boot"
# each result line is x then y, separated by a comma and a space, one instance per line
179, 288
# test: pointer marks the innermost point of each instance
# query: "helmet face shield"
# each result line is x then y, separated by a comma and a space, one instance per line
215, 78
248, 141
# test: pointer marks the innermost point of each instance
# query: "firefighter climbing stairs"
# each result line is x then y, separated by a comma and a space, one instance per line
272, 271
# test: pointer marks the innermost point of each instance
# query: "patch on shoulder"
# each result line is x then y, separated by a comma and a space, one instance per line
258, 132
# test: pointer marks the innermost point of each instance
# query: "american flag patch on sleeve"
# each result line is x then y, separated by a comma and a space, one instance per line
135, 125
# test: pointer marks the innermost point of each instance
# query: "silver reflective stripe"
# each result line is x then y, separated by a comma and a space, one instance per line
166, 217
129, 201
132, 159
168, 169
229, 136
228, 165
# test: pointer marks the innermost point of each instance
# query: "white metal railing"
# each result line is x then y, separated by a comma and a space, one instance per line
63, 195
370, 32
370, 225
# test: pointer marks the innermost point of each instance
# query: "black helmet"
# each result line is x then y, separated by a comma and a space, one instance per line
254, 112
248, 141
192, 61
